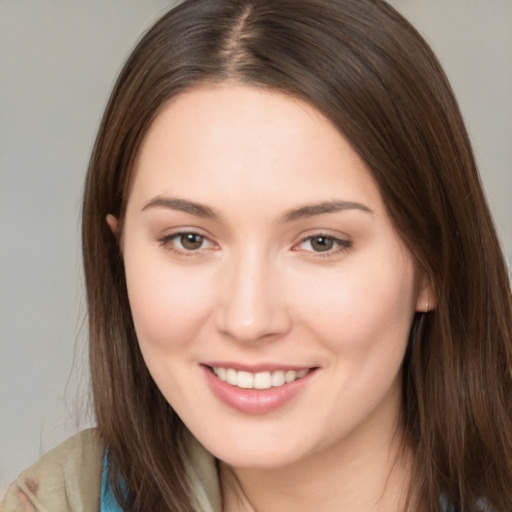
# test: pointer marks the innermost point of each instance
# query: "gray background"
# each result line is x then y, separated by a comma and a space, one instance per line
58, 61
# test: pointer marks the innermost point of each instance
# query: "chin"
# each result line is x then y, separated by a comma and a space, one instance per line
260, 459
256, 450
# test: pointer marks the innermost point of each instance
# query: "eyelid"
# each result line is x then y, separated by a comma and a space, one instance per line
342, 244
166, 241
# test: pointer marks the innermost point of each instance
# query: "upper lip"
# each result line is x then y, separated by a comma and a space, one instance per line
256, 368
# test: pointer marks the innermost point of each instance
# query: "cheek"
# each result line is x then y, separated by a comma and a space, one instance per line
361, 306
168, 304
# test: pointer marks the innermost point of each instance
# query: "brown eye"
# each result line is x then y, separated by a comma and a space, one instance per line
191, 241
186, 243
326, 244
322, 243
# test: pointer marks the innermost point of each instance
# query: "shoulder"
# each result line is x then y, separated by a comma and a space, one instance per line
67, 479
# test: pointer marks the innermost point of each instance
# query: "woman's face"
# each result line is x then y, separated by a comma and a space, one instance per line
271, 295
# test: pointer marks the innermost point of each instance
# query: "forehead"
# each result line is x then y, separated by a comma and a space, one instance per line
236, 142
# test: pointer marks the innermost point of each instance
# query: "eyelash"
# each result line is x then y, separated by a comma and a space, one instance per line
341, 245
168, 242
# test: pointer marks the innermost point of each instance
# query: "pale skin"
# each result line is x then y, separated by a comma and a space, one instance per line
255, 236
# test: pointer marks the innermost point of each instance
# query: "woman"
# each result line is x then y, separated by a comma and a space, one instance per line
296, 295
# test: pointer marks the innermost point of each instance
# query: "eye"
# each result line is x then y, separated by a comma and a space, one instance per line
190, 241
323, 244
186, 242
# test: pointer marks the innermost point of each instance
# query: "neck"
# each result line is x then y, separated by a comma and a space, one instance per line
355, 476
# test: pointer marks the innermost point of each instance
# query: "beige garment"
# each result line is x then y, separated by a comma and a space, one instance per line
68, 479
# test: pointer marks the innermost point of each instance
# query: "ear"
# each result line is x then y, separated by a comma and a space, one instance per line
112, 223
426, 300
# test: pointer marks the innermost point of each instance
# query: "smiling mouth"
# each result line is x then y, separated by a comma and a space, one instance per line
259, 380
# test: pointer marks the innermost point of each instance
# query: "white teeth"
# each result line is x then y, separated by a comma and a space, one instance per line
231, 376
245, 380
290, 376
278, 379
260, 380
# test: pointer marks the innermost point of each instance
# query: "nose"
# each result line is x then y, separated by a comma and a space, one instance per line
252, 300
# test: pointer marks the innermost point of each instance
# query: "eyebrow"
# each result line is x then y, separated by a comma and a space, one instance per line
201, 210
182, 205
310, 210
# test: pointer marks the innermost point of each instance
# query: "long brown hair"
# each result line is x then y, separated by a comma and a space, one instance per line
371, 74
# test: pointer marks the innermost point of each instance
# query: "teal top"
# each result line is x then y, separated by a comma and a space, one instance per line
109, 502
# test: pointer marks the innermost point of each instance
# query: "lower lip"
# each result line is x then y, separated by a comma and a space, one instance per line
255, 401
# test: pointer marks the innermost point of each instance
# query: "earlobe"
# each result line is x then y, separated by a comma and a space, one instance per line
426, 299
112, 223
